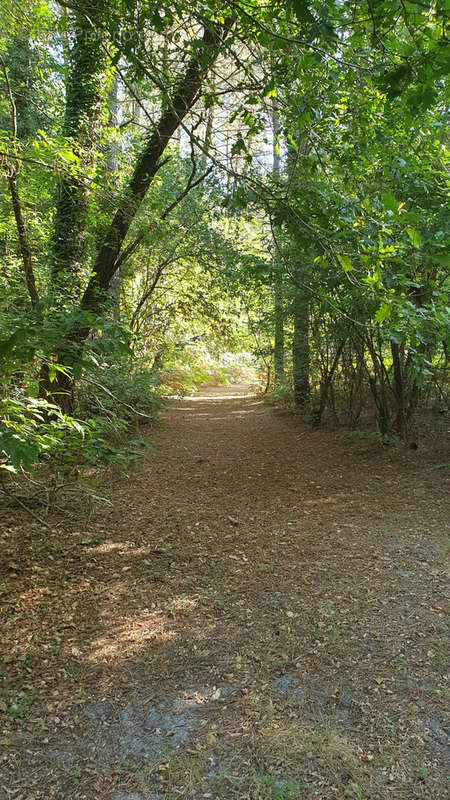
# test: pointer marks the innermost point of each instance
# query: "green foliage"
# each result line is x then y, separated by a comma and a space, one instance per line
111, 400
354, 223
269, 788
187, 371
125, 384
281, 395
31, 428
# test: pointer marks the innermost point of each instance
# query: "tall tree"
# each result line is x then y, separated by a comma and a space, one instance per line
278, 299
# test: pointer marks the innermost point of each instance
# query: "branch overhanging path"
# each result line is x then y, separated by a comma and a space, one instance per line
148, 163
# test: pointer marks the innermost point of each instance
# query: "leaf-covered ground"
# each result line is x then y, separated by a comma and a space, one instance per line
259, 613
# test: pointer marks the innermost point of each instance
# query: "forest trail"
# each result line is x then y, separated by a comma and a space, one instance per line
259, 614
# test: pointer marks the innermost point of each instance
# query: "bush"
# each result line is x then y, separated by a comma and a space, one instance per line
133, 392
32, 430
281, 396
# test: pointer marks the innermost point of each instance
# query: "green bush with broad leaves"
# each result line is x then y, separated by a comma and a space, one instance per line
32, 430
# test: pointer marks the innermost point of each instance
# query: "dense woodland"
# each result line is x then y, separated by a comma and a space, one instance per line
188, 190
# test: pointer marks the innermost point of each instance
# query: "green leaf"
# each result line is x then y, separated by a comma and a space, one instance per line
389, 202
18, 451
238, 147
302, 11
78, 426
345, 263
209, 99
414, 236
77, 370
443, 260
383, 312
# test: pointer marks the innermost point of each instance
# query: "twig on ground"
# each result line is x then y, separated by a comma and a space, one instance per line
24, 505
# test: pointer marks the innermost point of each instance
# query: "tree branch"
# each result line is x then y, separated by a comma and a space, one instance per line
24, 246
182, 101
130, 249
25, 251
159, 271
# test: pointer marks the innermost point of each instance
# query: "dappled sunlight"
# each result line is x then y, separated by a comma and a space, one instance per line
227, 605
124, 548
128, 639
223, 407
241, 412
204, 398
125, 637
197, 413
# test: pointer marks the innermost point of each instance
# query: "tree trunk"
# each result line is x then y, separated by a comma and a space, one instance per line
84, 95
401, 421
70, 216
278, 309
300, 350
379, 383
21, 60
278, 314
326, 384
208, 134
112, 163
19, 82
23, 241
185, 96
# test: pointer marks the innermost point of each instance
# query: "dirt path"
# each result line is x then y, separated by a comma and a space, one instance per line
259, 614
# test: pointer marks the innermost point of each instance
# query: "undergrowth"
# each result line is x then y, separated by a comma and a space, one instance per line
34, 431
202, 365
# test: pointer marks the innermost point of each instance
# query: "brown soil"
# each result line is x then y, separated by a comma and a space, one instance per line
259, 613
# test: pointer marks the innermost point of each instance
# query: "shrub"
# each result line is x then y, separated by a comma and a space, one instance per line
32, 429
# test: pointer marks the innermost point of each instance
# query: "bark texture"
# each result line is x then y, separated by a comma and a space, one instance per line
300, 350
84, 99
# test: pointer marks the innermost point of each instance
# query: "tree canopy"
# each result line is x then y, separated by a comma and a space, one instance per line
181, 183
